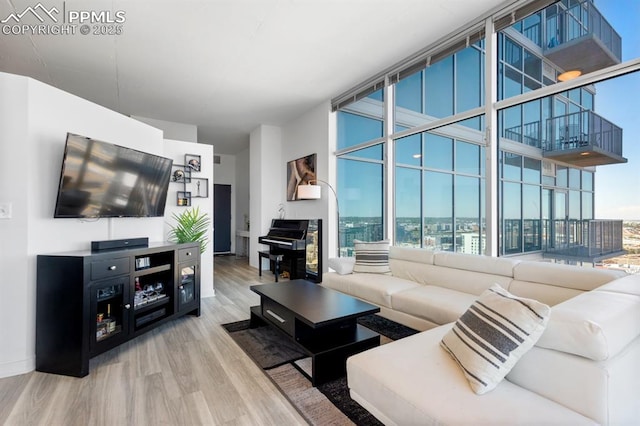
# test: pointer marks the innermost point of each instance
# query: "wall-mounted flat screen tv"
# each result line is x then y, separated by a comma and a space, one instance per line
100, 179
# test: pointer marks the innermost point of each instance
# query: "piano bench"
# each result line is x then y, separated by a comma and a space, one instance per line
276, 258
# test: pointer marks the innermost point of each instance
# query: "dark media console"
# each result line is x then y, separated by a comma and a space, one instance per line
91, 301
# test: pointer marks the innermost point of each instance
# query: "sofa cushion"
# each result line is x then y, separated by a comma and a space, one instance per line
596, 324
584, 279
374, 288
436, 304
372, 257
412, 254
493, 334
462, 280
342, 265
606, 391
473, 262
412, 381
627, 285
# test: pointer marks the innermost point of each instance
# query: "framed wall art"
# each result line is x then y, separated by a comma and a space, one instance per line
300, 172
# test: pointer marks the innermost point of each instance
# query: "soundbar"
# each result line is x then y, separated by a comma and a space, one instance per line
119, 244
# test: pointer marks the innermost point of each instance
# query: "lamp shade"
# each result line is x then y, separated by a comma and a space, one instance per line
309, 192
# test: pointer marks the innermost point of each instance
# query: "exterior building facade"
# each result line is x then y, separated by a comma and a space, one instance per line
414, 164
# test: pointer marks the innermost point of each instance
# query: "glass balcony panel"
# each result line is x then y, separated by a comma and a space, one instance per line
587, 240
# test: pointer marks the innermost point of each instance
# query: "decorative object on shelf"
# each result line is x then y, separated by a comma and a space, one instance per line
300, 172
313, 191
184, 198
199, 188
192, 161
191, 226
281, 211
180, 174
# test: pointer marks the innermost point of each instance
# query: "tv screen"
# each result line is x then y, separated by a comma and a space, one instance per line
100, 179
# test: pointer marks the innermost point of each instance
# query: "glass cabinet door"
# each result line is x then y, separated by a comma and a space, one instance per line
187, 287
109, 311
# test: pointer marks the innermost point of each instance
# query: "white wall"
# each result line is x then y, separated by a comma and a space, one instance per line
313, 133
243, 188
34, 120
176, 150
16, 296
267, 183
173, 130
225, 174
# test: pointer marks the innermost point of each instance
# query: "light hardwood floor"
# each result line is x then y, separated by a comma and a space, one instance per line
186, 372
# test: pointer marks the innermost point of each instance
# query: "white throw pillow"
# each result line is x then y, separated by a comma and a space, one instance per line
492, 335
342, 265
372, 257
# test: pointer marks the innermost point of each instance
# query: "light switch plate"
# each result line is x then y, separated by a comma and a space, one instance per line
5, 210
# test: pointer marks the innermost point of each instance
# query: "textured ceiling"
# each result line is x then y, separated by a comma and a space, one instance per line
228, 65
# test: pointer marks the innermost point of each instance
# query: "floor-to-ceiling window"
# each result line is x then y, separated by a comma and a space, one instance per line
417, 165
439, 191
360, 171
438, 174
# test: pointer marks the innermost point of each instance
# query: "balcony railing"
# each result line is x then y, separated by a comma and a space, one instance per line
583, 240
581, 138
583, 129
529, 134
579, 37
584, 139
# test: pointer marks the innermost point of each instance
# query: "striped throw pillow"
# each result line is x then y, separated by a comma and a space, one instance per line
372, 257
492, 335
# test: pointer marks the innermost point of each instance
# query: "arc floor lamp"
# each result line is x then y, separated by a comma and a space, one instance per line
313, 191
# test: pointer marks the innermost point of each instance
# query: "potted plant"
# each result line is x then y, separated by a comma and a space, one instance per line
191, 226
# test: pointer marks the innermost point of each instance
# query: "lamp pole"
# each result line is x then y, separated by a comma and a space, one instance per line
311, 181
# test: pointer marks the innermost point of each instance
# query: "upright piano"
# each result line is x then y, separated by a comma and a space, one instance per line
292, 238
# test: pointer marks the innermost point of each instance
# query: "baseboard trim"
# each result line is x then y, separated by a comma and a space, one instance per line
15, 368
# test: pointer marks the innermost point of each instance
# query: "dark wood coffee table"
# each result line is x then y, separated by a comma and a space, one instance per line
321, 321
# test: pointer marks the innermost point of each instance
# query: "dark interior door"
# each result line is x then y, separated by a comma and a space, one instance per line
222, 218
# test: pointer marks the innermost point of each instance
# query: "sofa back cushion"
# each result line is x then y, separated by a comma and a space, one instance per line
595, 325
412, 254
605, 391
476, 263
553, 283
467, 273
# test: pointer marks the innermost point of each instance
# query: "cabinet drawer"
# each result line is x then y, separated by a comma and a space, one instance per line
281, 317
109, 268
187, 254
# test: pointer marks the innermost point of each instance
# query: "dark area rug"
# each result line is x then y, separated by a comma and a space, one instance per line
265, 345
328, 403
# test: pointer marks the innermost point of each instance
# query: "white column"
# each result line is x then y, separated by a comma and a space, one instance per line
492, 178
389, 161
266, 184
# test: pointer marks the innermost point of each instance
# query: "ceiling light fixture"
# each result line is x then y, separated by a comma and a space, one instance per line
569, 75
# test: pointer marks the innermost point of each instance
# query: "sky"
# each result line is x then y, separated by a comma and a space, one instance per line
617, 187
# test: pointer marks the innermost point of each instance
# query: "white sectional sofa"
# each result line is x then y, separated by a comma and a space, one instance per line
584, 369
